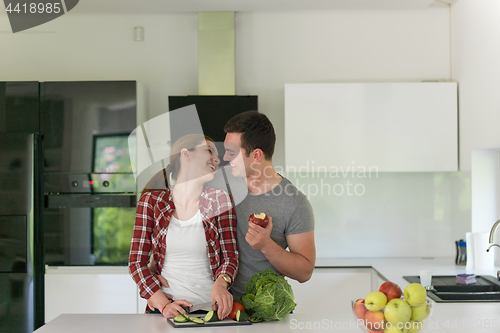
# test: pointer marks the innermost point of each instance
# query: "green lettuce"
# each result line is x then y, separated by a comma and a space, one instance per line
268, 296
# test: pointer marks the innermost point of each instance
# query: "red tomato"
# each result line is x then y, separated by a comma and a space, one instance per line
236, 306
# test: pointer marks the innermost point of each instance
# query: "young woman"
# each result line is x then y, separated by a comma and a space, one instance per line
189, 229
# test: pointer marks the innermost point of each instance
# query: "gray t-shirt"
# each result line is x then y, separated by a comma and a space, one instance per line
291, 213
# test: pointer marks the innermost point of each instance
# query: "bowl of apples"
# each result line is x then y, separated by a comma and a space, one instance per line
387, 311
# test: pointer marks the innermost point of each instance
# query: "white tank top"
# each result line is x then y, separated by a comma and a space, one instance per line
186, 265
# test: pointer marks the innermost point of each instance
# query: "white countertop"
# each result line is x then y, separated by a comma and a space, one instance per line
446, 317
138, 323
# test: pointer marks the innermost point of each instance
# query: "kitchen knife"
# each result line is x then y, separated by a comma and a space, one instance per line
201, 306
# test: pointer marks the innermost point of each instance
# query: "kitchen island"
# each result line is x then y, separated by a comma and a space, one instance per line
136, 323
446, 317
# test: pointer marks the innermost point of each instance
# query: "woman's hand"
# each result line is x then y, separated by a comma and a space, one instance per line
164, 282
151, 305
174, 309
222, 297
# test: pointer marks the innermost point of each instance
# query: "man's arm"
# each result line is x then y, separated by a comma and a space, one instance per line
297, 263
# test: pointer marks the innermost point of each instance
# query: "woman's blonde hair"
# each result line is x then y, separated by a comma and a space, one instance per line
160, 180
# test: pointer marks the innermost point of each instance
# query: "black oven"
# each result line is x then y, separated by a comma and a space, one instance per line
89, 187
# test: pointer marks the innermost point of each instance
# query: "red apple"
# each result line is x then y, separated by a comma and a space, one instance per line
259, 219
391, 290
374, 331
374, 320
360, 309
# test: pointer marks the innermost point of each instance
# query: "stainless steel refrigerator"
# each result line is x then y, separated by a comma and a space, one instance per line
21, 268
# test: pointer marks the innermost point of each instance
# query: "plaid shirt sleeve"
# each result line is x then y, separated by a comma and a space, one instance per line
141, 247
226, 223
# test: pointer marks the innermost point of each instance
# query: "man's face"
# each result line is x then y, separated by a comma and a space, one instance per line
236, 156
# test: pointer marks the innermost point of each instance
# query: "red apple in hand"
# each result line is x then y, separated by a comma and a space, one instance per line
259, 219
360, 309
391, 290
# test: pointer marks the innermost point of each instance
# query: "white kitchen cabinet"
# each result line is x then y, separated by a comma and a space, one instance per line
89, 290
331, 290
385, 127
141, 303
111, 290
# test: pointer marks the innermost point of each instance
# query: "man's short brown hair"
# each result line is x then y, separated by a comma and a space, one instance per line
256, 130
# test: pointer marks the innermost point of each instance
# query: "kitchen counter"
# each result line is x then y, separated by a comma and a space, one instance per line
135, 323
446, 317
453, 317
393, 269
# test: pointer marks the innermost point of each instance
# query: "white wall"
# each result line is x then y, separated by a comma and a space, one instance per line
337, 46
485, 190
476, 67
274, 48
400, 214
101, 47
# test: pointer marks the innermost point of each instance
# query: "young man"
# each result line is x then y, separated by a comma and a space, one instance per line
249, 144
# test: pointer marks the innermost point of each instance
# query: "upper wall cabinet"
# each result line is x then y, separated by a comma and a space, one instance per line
387, 127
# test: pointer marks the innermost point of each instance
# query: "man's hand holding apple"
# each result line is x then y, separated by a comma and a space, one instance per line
258, 237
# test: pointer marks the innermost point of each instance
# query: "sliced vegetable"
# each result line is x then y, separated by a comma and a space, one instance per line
236, 306
196, 320
180, 319
211, 316
241, 316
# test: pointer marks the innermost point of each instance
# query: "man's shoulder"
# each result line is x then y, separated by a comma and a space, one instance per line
287, 189
299, 209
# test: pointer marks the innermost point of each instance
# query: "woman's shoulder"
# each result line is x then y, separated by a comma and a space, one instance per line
215, 201
215, 193
156, 196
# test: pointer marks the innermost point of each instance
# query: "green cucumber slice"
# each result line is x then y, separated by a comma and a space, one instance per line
196, 320
180, 319
241, 316
211, 316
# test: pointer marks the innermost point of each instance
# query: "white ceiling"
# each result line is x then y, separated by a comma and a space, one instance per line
165, 6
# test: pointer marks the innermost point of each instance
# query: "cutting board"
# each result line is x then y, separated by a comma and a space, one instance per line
226, 322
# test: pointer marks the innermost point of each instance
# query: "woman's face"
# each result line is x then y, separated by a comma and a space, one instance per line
203, 161
215, 155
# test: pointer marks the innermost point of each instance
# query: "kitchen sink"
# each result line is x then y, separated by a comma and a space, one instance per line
467, 288
446, 290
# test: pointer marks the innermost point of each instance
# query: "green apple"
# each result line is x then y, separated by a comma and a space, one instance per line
415, 294
420, 312
397, 311
375, 301
415, 326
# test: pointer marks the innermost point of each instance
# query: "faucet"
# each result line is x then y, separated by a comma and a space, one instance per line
489, 247
493, 230
492, 235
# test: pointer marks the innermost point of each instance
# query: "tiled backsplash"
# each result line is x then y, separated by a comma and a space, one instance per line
388, 214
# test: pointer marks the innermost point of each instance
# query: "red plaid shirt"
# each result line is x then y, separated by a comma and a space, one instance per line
150, 230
